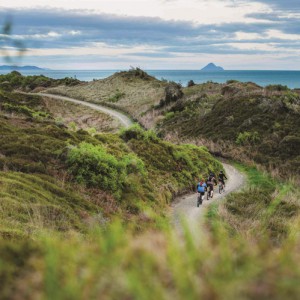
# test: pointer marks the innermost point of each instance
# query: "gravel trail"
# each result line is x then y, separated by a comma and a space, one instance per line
124, 120
186, 206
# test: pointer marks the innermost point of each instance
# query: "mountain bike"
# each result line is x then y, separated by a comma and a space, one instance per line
210, 193
199, 199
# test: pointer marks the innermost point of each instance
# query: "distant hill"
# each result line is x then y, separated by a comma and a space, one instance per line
24, 68
212, 67
242, 120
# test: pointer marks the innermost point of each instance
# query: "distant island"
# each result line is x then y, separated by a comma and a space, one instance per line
212, 67
24, 68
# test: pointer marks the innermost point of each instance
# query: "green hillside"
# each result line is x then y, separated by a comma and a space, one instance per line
236, 120
240, 120
53, 176
85, 207
133, 91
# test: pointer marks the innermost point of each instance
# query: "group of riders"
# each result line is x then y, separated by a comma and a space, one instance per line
208, 185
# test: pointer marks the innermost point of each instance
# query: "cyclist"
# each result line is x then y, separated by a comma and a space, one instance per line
222, 177
211, 180
211, 173
201, 187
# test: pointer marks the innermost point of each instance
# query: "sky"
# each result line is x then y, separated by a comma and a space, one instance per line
156, 34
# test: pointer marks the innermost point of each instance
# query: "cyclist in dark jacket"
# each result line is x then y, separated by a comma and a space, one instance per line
222, 177
211, 181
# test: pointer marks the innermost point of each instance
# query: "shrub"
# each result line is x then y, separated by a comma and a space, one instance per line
246, 138
116, 97
22, 109
95, 167
191, 83
138, 133
138, 72
277, 87
231, 81
169, 115
17, 80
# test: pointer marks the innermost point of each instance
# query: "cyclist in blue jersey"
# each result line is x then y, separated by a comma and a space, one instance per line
201, 188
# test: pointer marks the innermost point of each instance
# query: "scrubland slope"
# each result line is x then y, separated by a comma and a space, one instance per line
83, 213
44, 160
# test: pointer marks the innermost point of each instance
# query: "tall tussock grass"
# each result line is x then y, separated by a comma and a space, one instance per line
266, 207
224, 257
116, 263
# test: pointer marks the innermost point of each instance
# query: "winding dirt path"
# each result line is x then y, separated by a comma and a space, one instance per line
185, 206
124, 120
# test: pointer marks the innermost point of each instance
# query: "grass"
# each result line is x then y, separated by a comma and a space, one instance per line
114, 262
16, 80
64, 240
134, 92
266, 207
30, 203
117, 174
84, 117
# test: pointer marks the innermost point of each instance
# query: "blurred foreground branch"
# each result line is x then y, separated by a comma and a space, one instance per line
11, 49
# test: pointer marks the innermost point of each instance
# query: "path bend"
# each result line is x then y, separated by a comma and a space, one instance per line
122, 118
186, 207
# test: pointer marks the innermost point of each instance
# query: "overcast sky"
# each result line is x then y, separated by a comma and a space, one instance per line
156, 34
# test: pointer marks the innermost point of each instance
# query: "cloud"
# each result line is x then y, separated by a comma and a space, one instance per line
58, 33
285, 5
65, 26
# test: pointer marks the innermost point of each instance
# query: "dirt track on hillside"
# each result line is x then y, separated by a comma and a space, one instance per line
124, 120
186, 206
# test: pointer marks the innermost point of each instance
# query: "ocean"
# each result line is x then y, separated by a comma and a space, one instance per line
263, 78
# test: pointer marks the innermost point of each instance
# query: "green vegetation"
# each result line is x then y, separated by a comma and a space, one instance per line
277, 87
245, 260
30, 203
16, 80
266, 208
93, 166
169, 115
118, 174
84, 215
116, 97
132, 91
246, 138
265, 125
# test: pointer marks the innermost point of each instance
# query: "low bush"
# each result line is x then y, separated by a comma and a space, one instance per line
246, 138
17, 80
277, 87
116, 97
190, 83
138, 133
169, 115
95, 167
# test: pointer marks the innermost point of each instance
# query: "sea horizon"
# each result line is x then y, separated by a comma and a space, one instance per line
290, 78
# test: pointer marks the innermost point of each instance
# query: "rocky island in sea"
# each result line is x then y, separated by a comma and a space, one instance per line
211, 67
